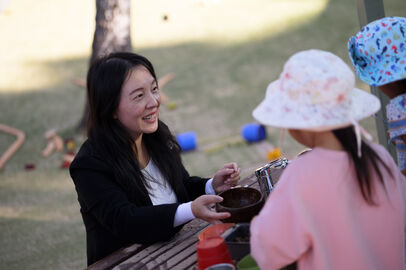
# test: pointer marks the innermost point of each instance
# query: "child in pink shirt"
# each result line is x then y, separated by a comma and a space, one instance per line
342, 205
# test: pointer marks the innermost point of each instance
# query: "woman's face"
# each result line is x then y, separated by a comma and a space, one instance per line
139, 103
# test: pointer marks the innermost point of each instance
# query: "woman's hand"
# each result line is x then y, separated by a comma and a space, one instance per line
203, 208
226, 177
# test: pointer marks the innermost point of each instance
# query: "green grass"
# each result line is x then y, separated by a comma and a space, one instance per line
224, 54
39, 223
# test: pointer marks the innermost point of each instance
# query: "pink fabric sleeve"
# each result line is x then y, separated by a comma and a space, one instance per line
277, 242
402, 184
398, 176
403, 190
403, 193
402, 180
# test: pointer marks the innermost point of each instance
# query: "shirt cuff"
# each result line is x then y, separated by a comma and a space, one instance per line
183, 214
209, 187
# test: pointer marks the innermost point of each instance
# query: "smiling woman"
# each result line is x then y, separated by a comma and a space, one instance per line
131, 184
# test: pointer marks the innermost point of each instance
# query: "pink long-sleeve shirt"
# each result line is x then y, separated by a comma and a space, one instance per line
317, 216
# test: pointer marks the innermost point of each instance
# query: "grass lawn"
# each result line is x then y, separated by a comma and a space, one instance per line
223, 52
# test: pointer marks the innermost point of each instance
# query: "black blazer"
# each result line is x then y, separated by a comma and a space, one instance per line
112, 221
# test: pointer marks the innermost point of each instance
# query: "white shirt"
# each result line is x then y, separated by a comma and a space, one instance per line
160, 192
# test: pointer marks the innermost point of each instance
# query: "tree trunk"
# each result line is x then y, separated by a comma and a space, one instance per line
112, 34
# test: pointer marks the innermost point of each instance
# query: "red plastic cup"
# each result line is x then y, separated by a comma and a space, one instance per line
212, 251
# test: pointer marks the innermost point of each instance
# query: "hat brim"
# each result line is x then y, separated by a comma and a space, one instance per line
272, 111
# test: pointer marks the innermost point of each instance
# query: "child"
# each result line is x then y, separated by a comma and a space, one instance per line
378, 53
341, 205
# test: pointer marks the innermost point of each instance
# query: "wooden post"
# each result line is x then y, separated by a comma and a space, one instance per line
368, 11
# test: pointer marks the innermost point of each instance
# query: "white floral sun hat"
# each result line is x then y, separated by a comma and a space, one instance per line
315, 91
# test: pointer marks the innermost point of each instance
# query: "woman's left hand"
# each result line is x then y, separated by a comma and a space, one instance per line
226, 177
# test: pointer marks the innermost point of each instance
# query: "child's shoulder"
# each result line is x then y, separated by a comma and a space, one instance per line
306, 175
313, 166
318, 157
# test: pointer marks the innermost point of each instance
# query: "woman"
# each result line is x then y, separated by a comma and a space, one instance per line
131, 184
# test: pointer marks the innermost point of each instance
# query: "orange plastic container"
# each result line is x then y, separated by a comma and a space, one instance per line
215, 230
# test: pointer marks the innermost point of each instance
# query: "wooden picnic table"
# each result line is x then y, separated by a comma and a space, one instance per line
177, 253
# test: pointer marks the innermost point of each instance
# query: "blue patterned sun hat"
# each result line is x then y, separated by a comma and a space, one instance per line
378, 51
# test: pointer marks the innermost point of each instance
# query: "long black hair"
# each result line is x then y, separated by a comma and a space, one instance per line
105, 79
362, 165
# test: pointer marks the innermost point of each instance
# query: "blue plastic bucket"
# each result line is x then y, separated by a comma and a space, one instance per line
187, 140
253, 132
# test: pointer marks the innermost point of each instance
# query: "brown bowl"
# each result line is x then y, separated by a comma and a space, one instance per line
243, 203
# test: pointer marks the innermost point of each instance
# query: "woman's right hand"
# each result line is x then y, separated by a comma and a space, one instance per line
203, 208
